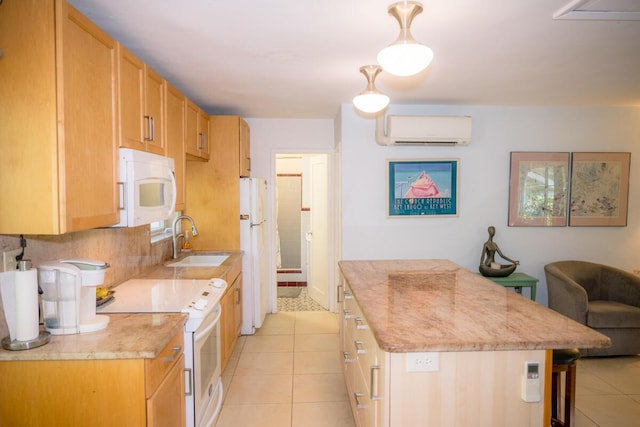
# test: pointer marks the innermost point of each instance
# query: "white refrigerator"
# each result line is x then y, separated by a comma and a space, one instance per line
255, 268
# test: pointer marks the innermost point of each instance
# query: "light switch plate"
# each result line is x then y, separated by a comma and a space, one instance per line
9, 262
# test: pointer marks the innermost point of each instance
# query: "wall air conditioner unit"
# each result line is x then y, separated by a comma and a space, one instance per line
423, 130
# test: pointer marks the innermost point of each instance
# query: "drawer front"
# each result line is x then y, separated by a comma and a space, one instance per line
361, 341
158, 367
363, 364
361, 403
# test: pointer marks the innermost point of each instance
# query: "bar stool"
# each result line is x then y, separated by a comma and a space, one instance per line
563, 361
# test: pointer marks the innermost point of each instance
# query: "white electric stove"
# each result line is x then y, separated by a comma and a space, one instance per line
200, 300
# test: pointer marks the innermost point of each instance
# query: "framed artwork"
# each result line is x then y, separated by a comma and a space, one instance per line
538, 189
418, 188
599, 189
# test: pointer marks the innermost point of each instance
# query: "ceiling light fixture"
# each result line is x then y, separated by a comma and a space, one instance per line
405, 56
370, 100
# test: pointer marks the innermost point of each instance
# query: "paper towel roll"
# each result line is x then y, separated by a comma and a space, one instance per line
8, 293
26, 310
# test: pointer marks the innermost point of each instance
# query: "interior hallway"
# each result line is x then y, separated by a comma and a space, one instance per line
287, 374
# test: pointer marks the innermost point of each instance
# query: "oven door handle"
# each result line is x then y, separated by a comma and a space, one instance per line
188, 391
200, 333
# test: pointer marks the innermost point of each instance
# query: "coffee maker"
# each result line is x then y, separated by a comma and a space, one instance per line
69, 295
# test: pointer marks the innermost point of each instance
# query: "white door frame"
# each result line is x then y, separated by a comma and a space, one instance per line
332, 203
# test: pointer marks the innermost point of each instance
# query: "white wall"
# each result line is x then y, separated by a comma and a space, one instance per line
367, 233
271, 136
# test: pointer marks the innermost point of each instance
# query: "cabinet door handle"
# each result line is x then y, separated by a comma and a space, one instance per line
347, 359
359, 345
374, 393
348, 294
360, 323
340, 287
357, 397
176, 353
347, 313
150, 136
237, 291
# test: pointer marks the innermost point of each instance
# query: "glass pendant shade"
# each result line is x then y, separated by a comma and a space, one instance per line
370, 100
405, 56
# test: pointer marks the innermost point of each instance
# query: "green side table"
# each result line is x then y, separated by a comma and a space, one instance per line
517, 281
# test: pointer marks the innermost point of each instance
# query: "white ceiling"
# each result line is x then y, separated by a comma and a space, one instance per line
301, 58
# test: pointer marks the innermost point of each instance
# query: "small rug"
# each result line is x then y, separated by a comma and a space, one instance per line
289, 292
302, 303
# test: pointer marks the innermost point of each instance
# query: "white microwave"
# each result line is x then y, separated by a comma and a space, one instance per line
147, 186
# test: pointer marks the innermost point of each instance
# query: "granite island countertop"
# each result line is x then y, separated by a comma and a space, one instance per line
436, 305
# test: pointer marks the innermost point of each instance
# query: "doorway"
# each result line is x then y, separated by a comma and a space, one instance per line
301, 232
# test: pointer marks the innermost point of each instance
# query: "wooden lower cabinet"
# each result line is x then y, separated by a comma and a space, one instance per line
468, 388
231, 318
97, 392
161, 407
363, 363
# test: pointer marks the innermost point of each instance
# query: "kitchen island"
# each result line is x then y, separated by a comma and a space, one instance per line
429, 343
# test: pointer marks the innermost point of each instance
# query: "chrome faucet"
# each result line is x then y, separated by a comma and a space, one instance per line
175, 237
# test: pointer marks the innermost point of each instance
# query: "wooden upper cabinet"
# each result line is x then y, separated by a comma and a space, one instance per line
204, 134
58, 120
197, 144
245, 149
213, 188
141, 92
154, 111
232, 134
175, 104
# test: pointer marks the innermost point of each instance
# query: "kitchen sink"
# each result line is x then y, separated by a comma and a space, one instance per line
199, 261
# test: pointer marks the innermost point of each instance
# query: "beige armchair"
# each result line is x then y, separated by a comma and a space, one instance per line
604, 298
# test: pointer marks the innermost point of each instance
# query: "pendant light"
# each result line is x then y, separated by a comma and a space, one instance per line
405, 56
370, 100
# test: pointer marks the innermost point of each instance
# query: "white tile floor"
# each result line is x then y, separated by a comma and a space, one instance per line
287, 374
608, 392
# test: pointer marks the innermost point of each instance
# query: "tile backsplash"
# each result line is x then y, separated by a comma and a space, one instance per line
127, 250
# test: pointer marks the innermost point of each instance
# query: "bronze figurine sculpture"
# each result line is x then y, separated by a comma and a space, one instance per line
488, 265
